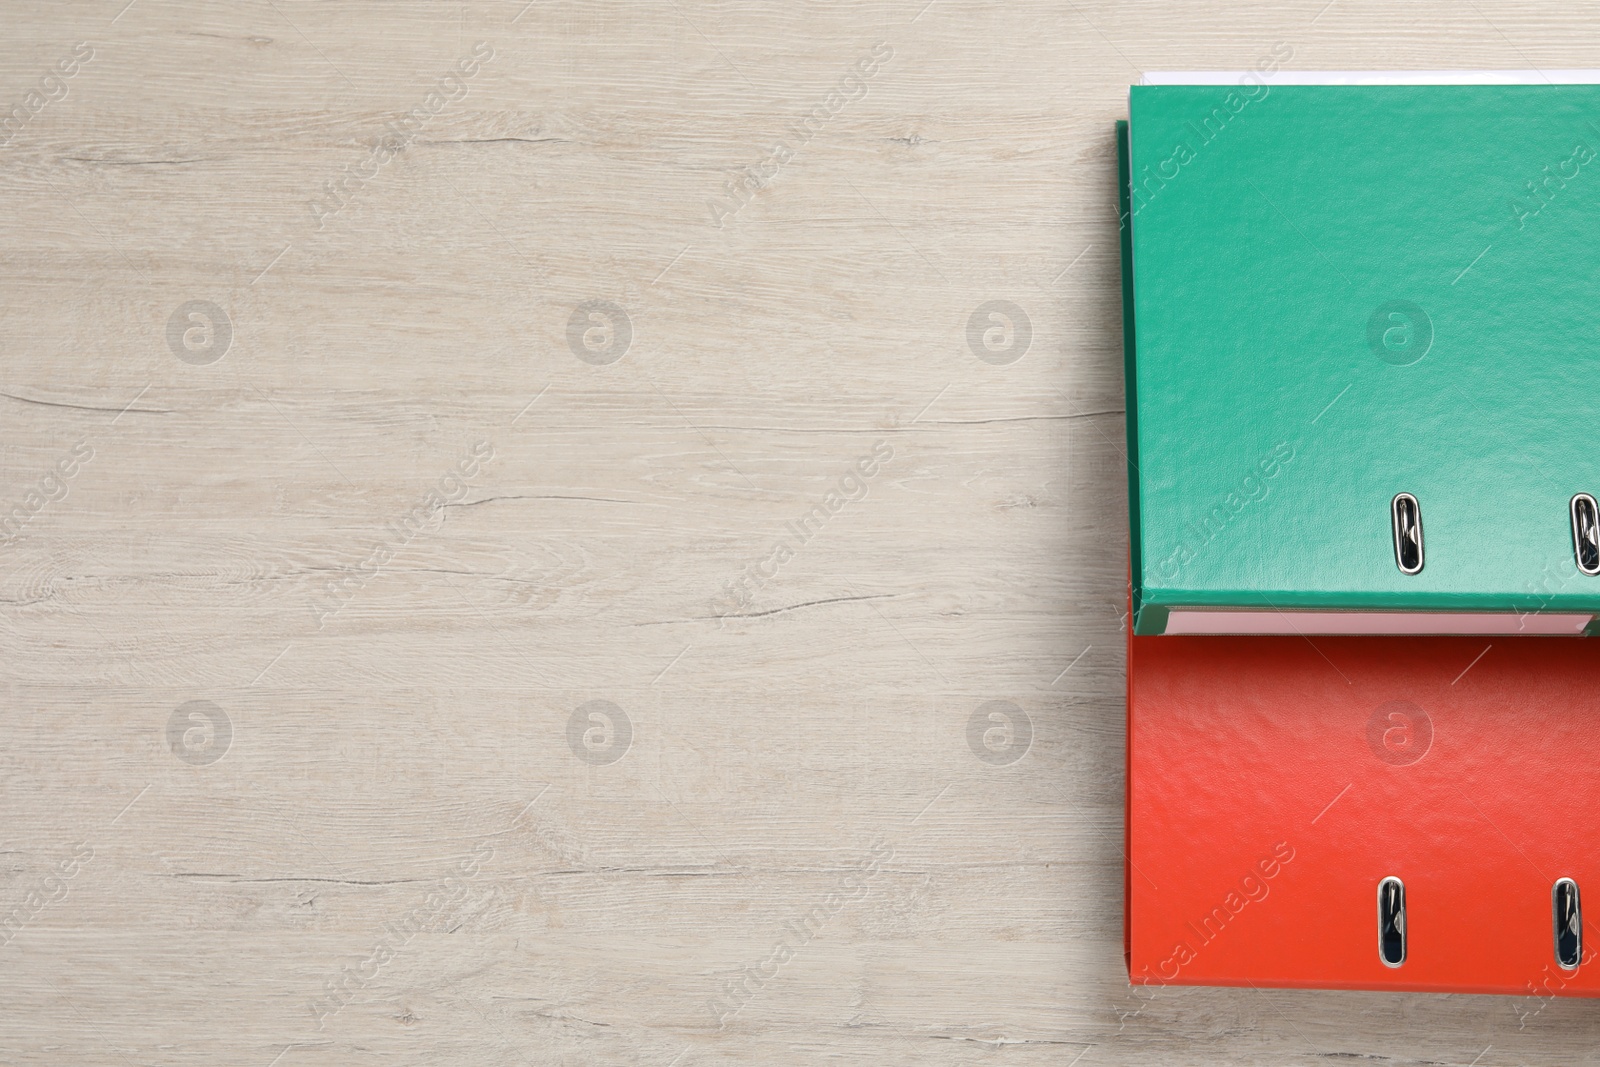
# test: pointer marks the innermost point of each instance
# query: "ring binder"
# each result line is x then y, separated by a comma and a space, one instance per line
1287, 369
1264, 814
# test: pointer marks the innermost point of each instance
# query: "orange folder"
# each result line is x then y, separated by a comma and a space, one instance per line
1406, 813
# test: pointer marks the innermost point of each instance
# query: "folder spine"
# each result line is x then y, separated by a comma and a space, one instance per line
1130, 398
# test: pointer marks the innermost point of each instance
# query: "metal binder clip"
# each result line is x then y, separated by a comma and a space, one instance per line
1407, 516
1392, 922
1569, 923
1586, 533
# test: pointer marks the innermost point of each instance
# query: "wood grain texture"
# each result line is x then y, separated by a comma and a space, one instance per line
406, 852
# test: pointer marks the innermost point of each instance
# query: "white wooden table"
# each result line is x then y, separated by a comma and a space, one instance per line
515, 519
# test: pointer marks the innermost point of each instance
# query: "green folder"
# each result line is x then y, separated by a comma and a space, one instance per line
1362, 341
